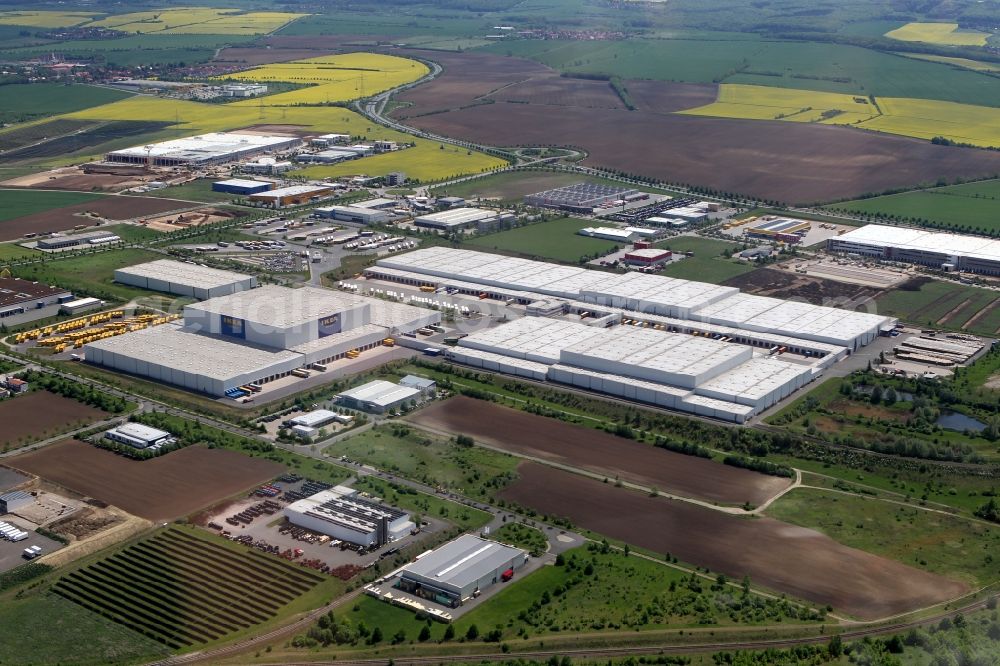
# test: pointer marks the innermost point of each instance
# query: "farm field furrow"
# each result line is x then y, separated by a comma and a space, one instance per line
162, 488
793, 560
41, 414
526, 434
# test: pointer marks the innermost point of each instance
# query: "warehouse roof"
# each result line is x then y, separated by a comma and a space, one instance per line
362, 334
241, 182
347, 510
613, 233
179, 272
281, 307
315, 418
140, 431
924, 240
536, 339
14, 291
292, 191
455, 217
379, 202
381, 393
463, 561
756, 378
781, 225
206, 145
182, 350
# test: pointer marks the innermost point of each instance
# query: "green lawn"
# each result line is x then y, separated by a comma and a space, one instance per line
433, 460
969, 207
707, 264
951, 546
45, 629
432, 506
30, 101
17, 203
556, 239
524, 536
90, 274
196, 190
12, 252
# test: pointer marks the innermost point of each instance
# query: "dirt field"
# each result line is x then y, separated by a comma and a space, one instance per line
283, 48
789, 162
554, 91
784, 284
163, 488
800, 562
564, 443
72, 178
113, 208
168, 223
40, 414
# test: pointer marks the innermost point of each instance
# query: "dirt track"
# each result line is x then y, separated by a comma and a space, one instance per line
568, 444
163, 488
110, 207
800, 562
790, 162
41, 413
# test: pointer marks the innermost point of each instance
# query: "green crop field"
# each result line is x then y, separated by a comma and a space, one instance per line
707, 264
91, 274
46, 629
137, 49
17, 203
967, 207
430, 459
948, 545
935, 303
785, 64
555, 239
20, 103
162, 588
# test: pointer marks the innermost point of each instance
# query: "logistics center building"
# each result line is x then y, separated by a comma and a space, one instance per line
203, 150
919, 246
460, 569
183, 279
257, 336
342, 514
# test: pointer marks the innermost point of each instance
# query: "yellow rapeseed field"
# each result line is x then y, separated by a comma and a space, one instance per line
426, 161
45, 19
767, 103
332, 78
921, 118
938, 33
197, 20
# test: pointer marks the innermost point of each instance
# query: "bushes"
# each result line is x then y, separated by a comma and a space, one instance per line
69, 388
757, 465
989, 511
22, 574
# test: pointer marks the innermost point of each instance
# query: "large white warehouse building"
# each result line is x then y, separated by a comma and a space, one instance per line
921, 246
184, 279
203, 149
257, 336
639, 292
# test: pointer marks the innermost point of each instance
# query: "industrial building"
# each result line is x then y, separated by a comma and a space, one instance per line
257, 336
459, 219
22, 301
379, 396
183, 279
267, 166
608, 233
946, 251
203, 150
342, 514
329, 156
354, 214
582, 197
460, 570
80, 305
241, 187
330, 140
74, 240
649, 256
422, 384
636, 292
319, 418
783, 229
293, 195
138, 435
14, 500
378, 203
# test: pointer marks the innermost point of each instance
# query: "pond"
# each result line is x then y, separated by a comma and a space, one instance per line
959, 422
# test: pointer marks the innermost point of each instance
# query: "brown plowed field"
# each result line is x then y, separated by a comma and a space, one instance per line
39, 414
163, 488
554, 91
283, 48
789, 162
819, 291
799, 562
540, 437
111, 208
